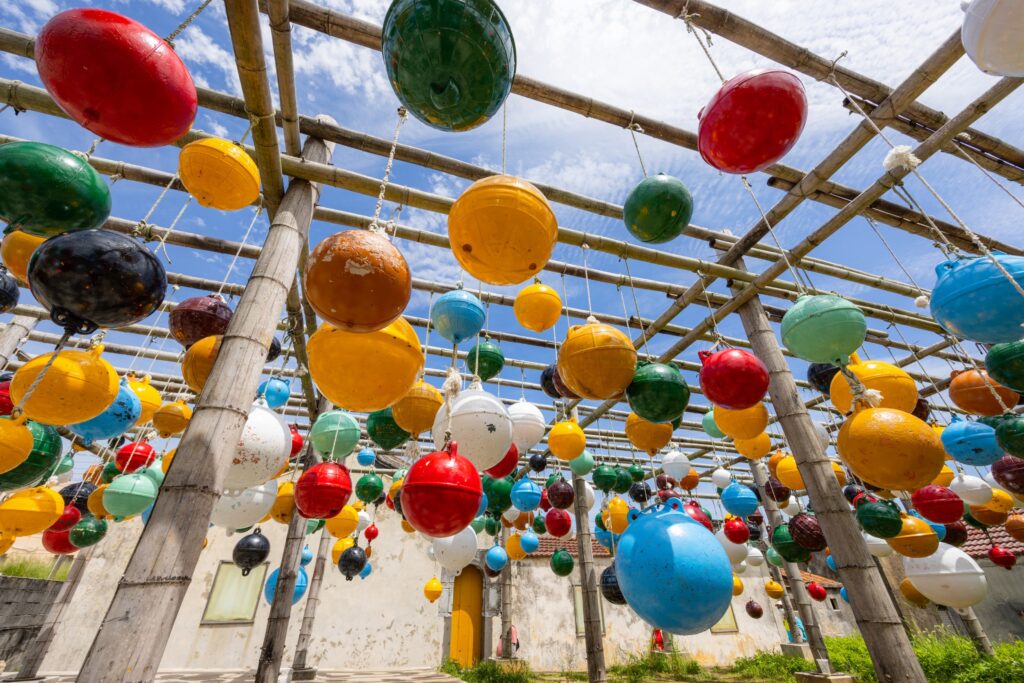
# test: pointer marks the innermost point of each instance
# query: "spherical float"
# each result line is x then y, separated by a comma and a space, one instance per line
880, 519
432, 590
9, 292
16, 443
774, 589
890, 448
457, 315
526, 495
786, 547
807, 533
977, 393
1010, 435
335, 434
415, 412
134, 455
658, 209
596, 360
745, 423
664, 559
558, 522
658, 392
263, 449
16, 250
502, 230
301, 584
130, 494
87, 532
369, 488
481, 425
972, 299
78, 386
30, 511
357, 281
171, 419
776, 490
1015, 527
738, 499
42, 460
450, 63
675, 464
390, 361
537, 307
560, 493
972, 490
485, 360
528, 425
251, 551
46, 191
898, 389
733, 378
245, 509
150, 399
707, 423
820, 375
1008, 471
457, 551
441, 493
754, 449
323, 490
736, 531
384, 431
991, 32
96, 278
1001, 557
647, 436
114, 420
824, 328
753, 120
969, 442
938, 504
949, 577
274, 391
561, 562
219, 174
609, 585
1004, 362
915, 539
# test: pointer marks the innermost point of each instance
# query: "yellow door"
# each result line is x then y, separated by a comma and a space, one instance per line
467, 614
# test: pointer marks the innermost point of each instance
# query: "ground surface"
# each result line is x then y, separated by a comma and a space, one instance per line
385, 676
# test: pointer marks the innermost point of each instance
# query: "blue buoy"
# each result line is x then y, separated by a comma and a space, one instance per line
972, 443
529, 541
973, 300
306, 557
739, 500
496, 558
844, 595
457, 315
366, 571
366, 458
275, 392
526, 495
301, 584
114, 421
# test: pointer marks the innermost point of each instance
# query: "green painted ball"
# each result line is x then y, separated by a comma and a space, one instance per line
384, 431
369, 487
658, 209
823, 329
485, 360
658, 392
562, 562
1005, 363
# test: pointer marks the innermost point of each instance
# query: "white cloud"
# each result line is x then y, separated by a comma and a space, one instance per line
585, 172
197, 48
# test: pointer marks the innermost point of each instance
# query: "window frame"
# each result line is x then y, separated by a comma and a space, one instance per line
259, 571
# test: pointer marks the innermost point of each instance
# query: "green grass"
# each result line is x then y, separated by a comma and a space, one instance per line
655, 666
32, 568
770, 666
488, 671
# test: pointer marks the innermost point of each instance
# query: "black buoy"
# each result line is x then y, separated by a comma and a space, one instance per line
77, 494
274, 351
9, 291
820, 375
610, 586
851, 491
251, 551
538, 462
547, 382
640, 492
351, 562
755, 532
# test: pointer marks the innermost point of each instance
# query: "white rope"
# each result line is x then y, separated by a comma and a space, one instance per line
375, 225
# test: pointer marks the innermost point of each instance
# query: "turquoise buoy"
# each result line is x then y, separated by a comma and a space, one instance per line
823, 329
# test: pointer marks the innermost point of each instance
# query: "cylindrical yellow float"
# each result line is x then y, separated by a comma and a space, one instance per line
77, 387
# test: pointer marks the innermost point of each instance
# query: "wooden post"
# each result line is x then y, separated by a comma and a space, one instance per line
36, 651
977, 633
137, 625
596, 672
506, 601
301, 671
879, 623
15, 332
787, 606
797, 590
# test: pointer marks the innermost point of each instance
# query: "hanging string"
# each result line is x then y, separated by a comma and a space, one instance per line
241, 246
142, 228
586, 278
719, 340
899, 263
688, 18
426, 338
636, 306
504, 133
375, 223
635, 128
625, 311
185, 24
800, 288
162, 242
991, 176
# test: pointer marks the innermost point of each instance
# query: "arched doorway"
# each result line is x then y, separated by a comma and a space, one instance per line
467, 617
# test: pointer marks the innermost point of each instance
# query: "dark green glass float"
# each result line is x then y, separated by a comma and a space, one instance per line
636, 473
384, 431
879, 519
499, 498
790, 550
539, 527
1010, 435
658, 392
622, 480
110, 472
89, 531
658, 209
46, 190
562, 562
42, 461
485, 360
605, 478
492, 526
1005, 363
450, 62
369, 487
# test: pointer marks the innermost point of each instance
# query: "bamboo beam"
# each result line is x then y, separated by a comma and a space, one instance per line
13, 335
159, 572
281, 37
747, 34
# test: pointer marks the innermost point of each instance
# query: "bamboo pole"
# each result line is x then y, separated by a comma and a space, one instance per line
506, 601
281, 36
747, 34
134, 632
14, 334
301, 671
887, 642
978, 636
787, 606
596, 672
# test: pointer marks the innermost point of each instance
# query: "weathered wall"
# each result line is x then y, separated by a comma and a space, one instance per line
24, 604
1002, 612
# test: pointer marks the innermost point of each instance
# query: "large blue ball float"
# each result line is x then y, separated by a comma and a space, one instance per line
526, 495
973, 300
739, 500
606, 538
366, 458
972, 443
529, 541
457, 315
496, 558
301, 584
672, 571
114, 421
275, 392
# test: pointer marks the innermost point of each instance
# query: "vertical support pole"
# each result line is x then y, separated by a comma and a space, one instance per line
797, 590
301, 671
15, 333
36, 651
596, 672
506, 602
978, 636
787, 605
879, 623
135, 630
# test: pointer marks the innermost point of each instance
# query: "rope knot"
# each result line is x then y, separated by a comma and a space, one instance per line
901, 157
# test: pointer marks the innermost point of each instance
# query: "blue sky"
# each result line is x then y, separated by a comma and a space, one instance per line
616, 51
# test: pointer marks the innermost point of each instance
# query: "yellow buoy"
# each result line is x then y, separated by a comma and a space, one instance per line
596, 361
284, 504
415, 412
77, 387
16, 250
618, 515
890, 449
737, 585
7, 540
95, 503
773, 462
1001, 501
198, 361
172, 418
915, 539
16, 443
537, 307
149, 397
755, 448
340, 546
432, 590
165, 462
408, 528
898, 389
344, 523
502, 230
566, 439
514, 547
648, 436
788, 473
219, 174
911, 594
945, 477
774, 589
745, 423
365, 372
988, 516
30, 511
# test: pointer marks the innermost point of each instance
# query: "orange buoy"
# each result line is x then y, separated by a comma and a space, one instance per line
915, 539
596, 361
199, 360
754, 449
745, 423
648, 436
537, 307
976, 392
910, 593
15, 251
415, 412
890, 448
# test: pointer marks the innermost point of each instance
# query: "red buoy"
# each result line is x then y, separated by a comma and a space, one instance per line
69, 518
558, 522
736, 530
297, 440
1002, 557
6, 404
697, 513
507, 464
134, 455
115, 77
752, 121
57, 542
732, 378
441, 493
323, 490
371, 533
817, 591
938, 504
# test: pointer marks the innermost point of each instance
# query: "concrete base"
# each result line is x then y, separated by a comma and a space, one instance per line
802, 650
303, 674
813, 677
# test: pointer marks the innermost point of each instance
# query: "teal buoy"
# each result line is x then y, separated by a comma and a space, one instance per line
823, 329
